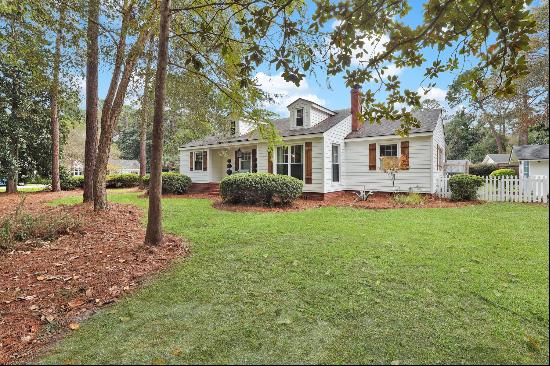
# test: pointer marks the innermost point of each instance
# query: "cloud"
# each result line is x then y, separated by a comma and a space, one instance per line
432, 93
285, 92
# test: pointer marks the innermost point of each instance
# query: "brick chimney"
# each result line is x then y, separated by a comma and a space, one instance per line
355, 107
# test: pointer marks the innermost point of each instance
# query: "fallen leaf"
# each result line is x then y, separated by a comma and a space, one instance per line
74, 326
50, 318
40, 278
75, 303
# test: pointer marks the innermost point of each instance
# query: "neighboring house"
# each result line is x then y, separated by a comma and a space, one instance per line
533, 160
457, 166
331, 151
497, 159
114, 166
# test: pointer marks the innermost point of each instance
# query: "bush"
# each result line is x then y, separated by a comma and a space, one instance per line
39, 180
260, 188
25, 226
408, 199
503, 173
172, 183
79, 180
482, 170
126, 180
67, 181
464, 187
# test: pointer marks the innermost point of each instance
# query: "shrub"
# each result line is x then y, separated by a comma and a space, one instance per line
67, 181
175, 183
408, 199
260, 188
464, 187
126, 180
172, 183
25, 226
79, 181
482, 170
503, 173
40, 180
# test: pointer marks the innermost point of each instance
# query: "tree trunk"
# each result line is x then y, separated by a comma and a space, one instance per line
113, 103
54, 96
524, 122
92, 60
11, 186
153, 235
145, 119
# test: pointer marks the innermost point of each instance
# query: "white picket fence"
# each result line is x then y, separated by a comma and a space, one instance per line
504, 189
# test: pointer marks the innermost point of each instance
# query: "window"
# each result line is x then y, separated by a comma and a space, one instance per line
233, 128
292, 165
282, 160
525, 168
335, 163
388, 150
246, 159
300, 117
198, 160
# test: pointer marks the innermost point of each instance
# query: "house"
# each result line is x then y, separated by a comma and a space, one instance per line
533, 160
497, 159
114, 166
457, 166
330, 150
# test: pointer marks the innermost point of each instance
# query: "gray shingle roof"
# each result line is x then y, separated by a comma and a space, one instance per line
499, 158
282, 126
530, 152
427, 117
125, 164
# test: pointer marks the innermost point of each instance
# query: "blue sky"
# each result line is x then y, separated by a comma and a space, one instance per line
337, 96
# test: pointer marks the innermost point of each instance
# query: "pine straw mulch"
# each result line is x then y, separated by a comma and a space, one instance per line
47, 290
348, 199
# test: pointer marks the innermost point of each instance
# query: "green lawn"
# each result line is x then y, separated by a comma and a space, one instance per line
335, 285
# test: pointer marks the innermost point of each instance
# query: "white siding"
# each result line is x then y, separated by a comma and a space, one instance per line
418, 178
536, 168
197, 176
262, 157
317, 115
437, 140
312, 114
335, 136
243, 127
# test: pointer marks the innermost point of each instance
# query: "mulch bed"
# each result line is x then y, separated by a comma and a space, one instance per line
48, 290
348, 199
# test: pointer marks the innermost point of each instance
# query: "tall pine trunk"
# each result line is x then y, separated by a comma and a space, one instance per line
153, 236
524, 121
145, 118
112, 106
92, 60
54, 96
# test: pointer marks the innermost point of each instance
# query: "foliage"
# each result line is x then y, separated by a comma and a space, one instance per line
503, 173
78, 181
125, 180
67, 180
260, 188
23, 226
346, 265
482, 170
408, 199
464, 186
172, 183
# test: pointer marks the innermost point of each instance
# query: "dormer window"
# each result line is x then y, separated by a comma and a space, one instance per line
233, 128
300, 117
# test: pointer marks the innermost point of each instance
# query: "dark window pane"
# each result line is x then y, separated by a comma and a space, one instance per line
296, 154
282, 169
299, 117
297, 171
388, 150
282, 155
335, 172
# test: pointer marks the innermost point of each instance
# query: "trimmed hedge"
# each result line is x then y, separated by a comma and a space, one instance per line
172, 183
126, 180
482, 170
66, 180
260, 188
503, 173
464, 187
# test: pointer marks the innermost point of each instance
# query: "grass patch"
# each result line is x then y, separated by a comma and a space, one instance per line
335, 285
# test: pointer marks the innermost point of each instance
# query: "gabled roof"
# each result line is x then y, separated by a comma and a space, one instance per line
530, 152
427, 117
282, 125
315, 104
125, 164
499, 158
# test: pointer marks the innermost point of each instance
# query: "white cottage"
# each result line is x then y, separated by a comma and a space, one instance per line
533, 160
331, 151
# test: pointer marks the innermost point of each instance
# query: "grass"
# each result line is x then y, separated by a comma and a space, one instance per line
25, 189
335, 285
